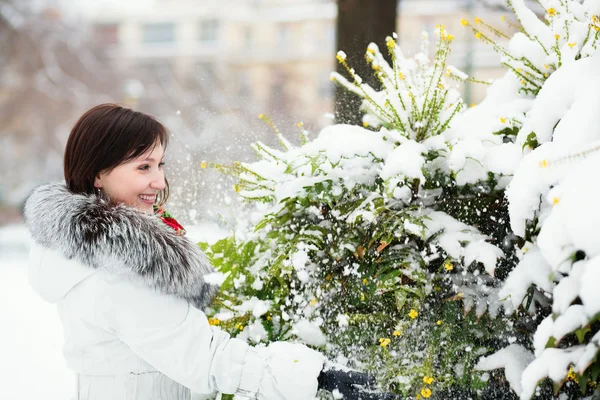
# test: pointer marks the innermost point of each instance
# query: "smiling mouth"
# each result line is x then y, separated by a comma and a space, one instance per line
148, 198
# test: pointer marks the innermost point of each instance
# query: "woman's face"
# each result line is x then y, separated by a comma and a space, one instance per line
137, 182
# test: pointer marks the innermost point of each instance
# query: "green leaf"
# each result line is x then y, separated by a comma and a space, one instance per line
583, 381
556, 387
261, 224
400, 297
418, 292
508, 131
531, 141
581, 332
595, 370
389, 276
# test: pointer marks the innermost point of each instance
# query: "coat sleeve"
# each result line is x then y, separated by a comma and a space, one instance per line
177, 340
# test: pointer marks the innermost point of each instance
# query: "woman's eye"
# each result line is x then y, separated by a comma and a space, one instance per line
161, 164
145, 167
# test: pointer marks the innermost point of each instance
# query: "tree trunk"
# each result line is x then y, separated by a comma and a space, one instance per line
359, 23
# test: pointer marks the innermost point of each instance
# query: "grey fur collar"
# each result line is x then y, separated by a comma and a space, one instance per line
91, 230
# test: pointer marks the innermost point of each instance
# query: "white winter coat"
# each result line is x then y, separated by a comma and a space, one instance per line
127, 337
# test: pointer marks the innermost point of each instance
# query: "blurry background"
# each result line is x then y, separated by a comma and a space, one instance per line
206, 68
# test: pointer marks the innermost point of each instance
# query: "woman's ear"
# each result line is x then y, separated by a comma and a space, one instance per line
98, 182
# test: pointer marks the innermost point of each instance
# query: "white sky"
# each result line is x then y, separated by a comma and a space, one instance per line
90, 7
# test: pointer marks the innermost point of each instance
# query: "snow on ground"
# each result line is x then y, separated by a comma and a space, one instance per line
31, 362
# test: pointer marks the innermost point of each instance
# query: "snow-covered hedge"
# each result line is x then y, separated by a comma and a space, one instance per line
397, 248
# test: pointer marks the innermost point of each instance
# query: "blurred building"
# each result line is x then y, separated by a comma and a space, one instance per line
273, 55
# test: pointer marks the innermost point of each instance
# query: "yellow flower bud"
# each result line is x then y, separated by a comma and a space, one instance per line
571, 375
390, 43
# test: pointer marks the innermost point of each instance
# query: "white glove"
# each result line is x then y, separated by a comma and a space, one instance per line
283, 371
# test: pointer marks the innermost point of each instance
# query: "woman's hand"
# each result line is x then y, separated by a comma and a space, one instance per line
352, 385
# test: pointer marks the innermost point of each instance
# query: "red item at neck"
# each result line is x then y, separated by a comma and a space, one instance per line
169, 220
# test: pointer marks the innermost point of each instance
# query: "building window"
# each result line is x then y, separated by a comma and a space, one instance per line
283, 36
158, 33
325, 86
330, 34
209, 31
248, 40
308, 36
106, 34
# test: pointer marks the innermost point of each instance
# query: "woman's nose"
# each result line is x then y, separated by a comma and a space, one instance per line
159, 182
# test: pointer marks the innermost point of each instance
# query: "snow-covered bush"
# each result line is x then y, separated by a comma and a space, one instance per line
367, 245
569, 32
390, 247
550, 209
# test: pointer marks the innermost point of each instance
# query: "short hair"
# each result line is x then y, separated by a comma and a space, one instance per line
105, 137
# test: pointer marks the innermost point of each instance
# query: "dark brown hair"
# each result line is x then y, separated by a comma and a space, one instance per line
105, 137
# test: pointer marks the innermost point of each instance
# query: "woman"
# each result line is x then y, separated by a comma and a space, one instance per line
130, 289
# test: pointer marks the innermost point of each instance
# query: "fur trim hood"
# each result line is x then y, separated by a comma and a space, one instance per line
99, 234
